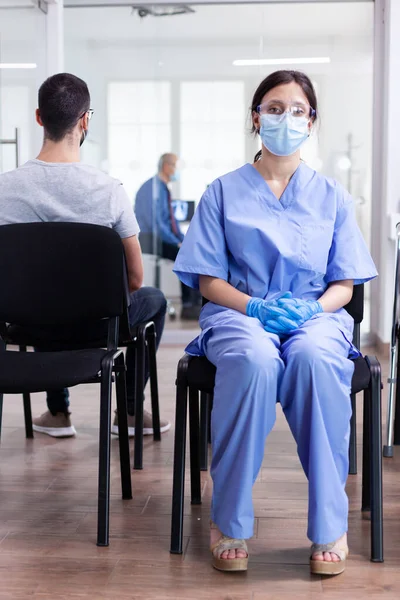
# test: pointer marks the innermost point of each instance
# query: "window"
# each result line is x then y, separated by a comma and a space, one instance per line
15, 113
212, 133
139, 130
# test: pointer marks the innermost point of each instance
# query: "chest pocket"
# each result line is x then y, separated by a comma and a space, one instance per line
316, 242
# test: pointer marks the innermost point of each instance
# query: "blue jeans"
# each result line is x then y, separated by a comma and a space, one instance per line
147, 304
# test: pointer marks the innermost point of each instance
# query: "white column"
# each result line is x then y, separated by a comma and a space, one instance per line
386, 161
54, 37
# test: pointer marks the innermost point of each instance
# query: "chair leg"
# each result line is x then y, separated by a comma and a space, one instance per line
366, 462
28, 415
178, 489
140, 354
353, 437
155, 407
204, 425
392, 383
123, 437
103, 516
376, 462
1, 412
194, 420
27, 408
396, 427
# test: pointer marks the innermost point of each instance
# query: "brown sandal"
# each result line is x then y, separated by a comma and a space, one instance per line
228, 543
323, 567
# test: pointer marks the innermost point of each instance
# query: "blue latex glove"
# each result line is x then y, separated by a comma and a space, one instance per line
275, 318
299, 310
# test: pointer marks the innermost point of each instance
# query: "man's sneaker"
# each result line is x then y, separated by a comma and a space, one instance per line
147, 424
58, 425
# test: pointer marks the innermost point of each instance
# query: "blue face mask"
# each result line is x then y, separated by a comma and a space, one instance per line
175, 176
283, 134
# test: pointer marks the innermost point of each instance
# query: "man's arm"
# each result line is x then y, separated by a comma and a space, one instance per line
164, 219
134, 263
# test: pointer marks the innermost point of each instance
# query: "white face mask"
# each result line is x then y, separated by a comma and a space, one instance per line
283, 134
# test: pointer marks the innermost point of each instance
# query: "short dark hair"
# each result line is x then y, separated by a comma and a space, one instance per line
281, 78
63, 99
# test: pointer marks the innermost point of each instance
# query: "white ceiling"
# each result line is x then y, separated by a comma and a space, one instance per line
261, 23
222, 22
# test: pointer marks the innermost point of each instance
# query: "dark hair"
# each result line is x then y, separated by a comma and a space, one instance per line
281, 78
63, 99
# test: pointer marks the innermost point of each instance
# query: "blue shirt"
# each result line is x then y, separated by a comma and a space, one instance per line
154, 194
263, 246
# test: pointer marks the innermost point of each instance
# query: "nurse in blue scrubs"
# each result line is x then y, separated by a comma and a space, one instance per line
275, 248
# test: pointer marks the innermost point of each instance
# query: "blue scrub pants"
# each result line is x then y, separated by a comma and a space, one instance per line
310, 374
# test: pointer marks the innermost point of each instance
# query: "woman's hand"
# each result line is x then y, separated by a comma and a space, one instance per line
299, 310
274, 317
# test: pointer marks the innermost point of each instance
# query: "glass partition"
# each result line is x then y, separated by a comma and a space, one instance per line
22, 68
184, 83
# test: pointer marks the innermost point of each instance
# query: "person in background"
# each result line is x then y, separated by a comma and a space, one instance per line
160, 233
57, 187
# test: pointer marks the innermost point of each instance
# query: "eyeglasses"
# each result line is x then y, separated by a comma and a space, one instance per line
296, 109
89, 113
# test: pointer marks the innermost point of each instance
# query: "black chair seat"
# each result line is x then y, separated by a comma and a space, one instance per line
22, 372
201, 374
361, 376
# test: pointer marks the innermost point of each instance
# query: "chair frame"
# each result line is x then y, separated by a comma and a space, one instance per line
143, 337
199, 427
393, 401
112, 362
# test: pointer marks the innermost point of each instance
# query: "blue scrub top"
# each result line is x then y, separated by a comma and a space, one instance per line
263, 246
154, 193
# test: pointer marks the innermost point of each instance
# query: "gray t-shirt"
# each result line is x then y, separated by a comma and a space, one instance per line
72, 192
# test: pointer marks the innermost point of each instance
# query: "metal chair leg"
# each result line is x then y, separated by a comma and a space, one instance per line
376, 461
123, 437
396, 425
140, 354
366, 462
28, 415
353, 437
1, 412
393, 374
194, 420
103, 515
2, 348
27, 408
178, 488
204, 425
155, 407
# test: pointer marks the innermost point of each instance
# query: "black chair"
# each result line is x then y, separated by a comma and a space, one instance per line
81, 279
94, 335
197, 374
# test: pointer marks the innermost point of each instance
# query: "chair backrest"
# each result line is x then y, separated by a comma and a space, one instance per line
60, 273
355, 307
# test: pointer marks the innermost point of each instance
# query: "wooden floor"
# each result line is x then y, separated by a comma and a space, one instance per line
48, 521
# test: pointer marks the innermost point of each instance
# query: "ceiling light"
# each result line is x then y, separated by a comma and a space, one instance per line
18, 65
259, 62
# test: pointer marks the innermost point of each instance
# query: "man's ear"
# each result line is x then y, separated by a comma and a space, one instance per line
85, 122
38, 118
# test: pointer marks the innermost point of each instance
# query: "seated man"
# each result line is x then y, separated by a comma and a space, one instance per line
160, 233
57, 187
